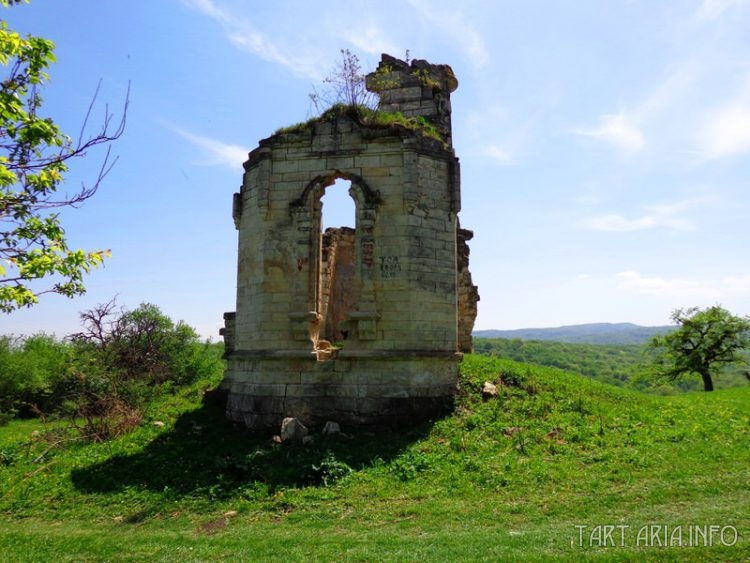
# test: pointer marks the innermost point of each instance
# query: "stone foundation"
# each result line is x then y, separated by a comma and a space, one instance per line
353, 391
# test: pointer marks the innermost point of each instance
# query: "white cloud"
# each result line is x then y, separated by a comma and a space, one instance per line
738, 284
680, 80
619, 224
711, 289
642, 285
452, 23
665, 215
618, 129
726, 131
370, 39
498, 136
714, 9
216, 153
242, 34
498, 154
665, 111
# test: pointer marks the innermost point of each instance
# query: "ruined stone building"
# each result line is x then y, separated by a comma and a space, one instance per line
361, 325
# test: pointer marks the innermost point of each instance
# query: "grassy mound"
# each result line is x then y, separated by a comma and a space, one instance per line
528, 474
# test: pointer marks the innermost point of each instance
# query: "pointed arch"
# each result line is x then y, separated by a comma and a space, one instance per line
333, 312
364, 193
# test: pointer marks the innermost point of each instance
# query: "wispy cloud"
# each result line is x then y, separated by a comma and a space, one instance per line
498, 154
369, 38
679, 79
214, 152
660, 113
619, 130
726, 129
243, 35
618, 224
713, 9
498, 136
665, 215
713, 289
737, 284
451, 22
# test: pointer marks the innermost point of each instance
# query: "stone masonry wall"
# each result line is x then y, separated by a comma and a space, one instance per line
338, 282
468, 293
386, 292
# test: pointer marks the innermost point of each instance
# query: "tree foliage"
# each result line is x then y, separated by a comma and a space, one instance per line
705, 341
117, 364
29, 368
34, 157
144, 345
614, 364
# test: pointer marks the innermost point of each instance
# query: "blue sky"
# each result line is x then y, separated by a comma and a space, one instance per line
604, 145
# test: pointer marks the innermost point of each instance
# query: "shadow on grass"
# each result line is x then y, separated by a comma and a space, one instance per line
204, 455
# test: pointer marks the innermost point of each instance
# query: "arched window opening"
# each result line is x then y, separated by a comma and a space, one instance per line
337, 285
337, 206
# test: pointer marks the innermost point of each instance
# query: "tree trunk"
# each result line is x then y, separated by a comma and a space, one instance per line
708, 384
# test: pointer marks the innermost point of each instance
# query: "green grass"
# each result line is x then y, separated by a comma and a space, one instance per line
507, 478
370, 118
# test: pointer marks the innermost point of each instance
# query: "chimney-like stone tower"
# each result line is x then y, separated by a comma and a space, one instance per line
418, 89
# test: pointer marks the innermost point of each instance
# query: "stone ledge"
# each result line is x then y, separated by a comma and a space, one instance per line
344, 354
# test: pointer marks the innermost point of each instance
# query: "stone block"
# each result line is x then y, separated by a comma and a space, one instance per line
342, 366
305, 390
393, 160
293, 430
339, 405
283, 166
368, 160
370, 172
253, 389
319, 377
339, 162
342, 390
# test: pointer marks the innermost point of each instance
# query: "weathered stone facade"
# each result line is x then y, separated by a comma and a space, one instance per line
361, 325
468, 293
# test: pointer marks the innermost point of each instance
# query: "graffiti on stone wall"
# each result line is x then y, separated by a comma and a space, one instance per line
389, 267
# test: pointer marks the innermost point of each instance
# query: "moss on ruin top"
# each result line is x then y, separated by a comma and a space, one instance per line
368, 117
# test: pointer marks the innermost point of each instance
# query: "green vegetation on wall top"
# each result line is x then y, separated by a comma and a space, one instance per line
368, 117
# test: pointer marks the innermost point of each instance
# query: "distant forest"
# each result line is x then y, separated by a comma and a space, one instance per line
593, 333
624, 365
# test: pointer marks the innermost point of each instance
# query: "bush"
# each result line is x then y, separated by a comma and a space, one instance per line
29, 368
146, 345
123, 359
105, 375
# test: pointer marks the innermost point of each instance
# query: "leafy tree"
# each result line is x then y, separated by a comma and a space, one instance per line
34, 157
706, 340
145, 345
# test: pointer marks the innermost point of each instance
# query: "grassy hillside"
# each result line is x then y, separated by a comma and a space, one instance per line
507, 478
615, 364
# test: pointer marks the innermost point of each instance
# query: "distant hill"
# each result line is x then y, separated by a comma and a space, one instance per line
594, 333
